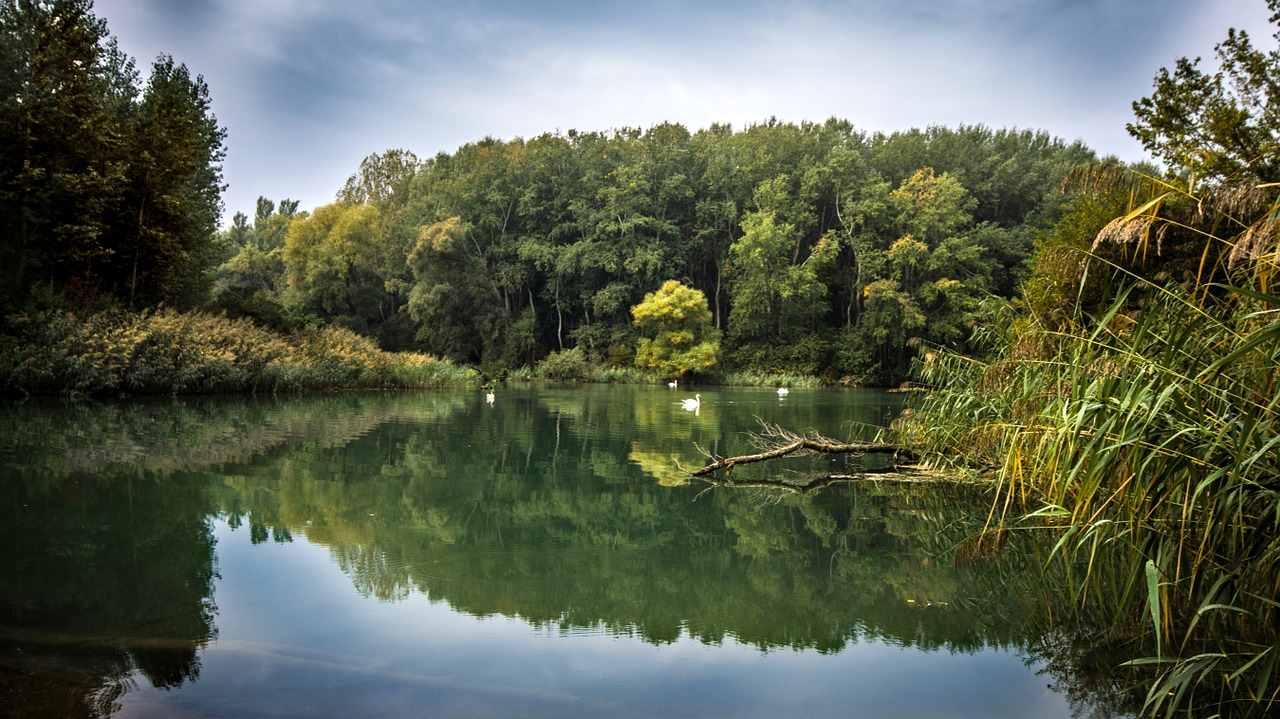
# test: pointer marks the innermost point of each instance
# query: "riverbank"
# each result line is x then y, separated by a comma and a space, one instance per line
114, 353
1146, 440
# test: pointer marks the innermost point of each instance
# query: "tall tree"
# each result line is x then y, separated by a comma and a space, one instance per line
102, 189
166, 251
60, 158
332, 260
1220, 124
778, 295
453, 299
251, 279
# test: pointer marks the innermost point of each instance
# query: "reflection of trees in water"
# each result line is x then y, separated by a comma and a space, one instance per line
102, 578
541, 528
543, 507
162, 436
536, 526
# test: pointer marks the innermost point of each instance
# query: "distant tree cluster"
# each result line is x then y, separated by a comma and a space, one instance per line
109, 187
818, 249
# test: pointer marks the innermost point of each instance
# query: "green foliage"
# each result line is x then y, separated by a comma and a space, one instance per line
172, 199
775, 279
564, 366
681, 338
522, 247
106, 188
251, 279
167, 352
59, 150
332, 261
1220, 124
503, 251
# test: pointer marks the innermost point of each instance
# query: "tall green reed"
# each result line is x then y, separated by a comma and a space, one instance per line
1144, 433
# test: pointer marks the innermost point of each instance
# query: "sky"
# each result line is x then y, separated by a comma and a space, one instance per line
308, 88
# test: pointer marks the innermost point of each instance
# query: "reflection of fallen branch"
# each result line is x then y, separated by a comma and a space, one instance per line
802, 447
813, 484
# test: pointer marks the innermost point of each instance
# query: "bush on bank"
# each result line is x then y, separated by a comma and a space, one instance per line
115, 352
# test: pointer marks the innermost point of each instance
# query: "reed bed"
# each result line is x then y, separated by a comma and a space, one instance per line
777, 378
1144, 433
167, 352
1150, 443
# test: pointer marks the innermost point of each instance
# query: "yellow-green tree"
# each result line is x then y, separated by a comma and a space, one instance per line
680, 337
333, 260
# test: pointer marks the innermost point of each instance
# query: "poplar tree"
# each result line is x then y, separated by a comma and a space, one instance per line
106, 189
60, 163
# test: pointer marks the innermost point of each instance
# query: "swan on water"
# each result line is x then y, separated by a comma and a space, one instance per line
782, 391
694, 403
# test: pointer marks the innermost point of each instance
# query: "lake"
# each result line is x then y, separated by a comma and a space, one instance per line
431, 554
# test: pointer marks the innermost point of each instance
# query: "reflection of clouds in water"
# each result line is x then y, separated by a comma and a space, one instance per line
417, 654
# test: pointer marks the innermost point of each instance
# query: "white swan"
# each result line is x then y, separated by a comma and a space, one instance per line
782, 391
672, 383
692, 404
488, 397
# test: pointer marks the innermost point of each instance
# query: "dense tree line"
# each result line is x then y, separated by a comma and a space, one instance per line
819, 248
109, 186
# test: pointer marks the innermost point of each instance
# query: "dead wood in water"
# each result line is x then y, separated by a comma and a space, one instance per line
777, 443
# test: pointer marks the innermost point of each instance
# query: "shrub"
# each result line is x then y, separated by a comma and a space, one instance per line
167, 352
564, 366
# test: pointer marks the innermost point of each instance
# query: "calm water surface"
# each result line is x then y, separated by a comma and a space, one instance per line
434, 555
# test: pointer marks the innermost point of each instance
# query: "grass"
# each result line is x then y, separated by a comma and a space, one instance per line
1147, 434
779, 378
167, 352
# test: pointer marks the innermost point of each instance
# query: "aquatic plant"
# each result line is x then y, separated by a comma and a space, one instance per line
1143, 425
779, 378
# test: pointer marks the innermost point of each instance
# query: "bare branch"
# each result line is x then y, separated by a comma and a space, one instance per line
796, 445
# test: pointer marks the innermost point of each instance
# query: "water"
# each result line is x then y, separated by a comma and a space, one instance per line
434, 555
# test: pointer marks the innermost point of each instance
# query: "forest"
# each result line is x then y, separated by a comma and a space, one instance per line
1098, 342
820, 249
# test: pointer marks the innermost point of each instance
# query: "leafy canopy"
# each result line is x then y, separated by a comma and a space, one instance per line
681, 336
1221, 124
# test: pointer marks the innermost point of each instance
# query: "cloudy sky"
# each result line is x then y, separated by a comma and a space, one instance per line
307, 88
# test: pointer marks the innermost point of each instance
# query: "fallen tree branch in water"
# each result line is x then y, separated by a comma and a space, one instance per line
801, 447
794, 445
